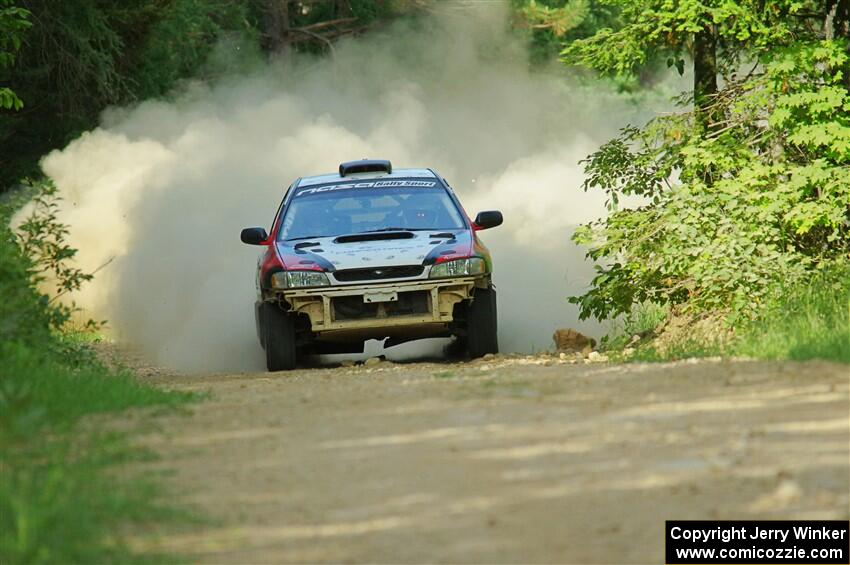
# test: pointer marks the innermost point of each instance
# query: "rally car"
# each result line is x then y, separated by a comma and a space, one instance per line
372, 253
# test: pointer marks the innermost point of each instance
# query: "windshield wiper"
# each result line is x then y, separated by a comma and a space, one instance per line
304, 237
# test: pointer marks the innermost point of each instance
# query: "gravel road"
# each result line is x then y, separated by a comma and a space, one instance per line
513, 459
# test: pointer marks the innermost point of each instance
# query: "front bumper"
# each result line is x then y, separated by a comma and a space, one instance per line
348, 309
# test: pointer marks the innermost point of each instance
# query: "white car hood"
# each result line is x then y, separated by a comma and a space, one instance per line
364, 254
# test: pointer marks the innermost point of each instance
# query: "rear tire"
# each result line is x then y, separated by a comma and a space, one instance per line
481, 326
278, 338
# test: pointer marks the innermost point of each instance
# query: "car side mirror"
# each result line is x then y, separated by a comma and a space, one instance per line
254, 236
488, 219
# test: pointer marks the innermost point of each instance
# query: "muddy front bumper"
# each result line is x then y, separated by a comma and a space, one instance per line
420, 307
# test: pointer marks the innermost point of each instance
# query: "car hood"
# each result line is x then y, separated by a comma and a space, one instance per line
393, 249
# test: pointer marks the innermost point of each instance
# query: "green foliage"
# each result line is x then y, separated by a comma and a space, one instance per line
82, 56
553, 23
730, 208
65, 392
9, 100
746, 213
559, 19
659, 29
179, 44
643, 319
69, 59
41, 239
67, 70
14, 22
689, 348
57, 500
60, 499
809, 319
25, 315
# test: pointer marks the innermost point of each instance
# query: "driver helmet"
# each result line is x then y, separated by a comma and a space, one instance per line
419, 218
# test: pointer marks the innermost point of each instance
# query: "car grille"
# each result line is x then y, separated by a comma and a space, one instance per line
378, 273
408, 304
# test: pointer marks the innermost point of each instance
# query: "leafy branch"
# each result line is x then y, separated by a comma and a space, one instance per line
43, 239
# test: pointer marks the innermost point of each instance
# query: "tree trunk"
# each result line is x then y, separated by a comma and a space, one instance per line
837, 21
837, 25
342, 8
275, 25
829, 21
705, 72
842, 19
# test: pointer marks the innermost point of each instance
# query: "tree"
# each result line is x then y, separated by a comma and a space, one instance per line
275, 24
313, 25
656, 29
69, 60
14, 21
78, 57
749, 185
553, 23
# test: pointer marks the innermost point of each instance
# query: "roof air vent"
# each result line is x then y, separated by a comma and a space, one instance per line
365, 166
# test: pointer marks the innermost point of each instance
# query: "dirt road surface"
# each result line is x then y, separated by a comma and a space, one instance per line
524, 459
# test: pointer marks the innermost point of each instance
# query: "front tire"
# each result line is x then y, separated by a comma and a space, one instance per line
481, 331
278, 338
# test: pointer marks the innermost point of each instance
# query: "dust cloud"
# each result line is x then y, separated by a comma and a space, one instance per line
165, 186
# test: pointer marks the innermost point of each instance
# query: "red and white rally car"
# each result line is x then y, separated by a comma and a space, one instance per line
372, 253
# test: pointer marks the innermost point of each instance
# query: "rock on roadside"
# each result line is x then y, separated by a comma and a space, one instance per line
569, 340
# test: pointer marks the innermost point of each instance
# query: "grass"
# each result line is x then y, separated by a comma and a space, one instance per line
809, 320
65, 492
63, 497
62, 504
642, 320
64, 393
802, 321
679, 350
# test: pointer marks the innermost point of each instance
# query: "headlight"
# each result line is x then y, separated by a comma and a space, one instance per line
296, 279
459, 268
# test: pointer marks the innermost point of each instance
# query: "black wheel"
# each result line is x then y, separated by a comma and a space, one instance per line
481, 331
456, 349
278, 338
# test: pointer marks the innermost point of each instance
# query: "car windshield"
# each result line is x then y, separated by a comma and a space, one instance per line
348, 209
